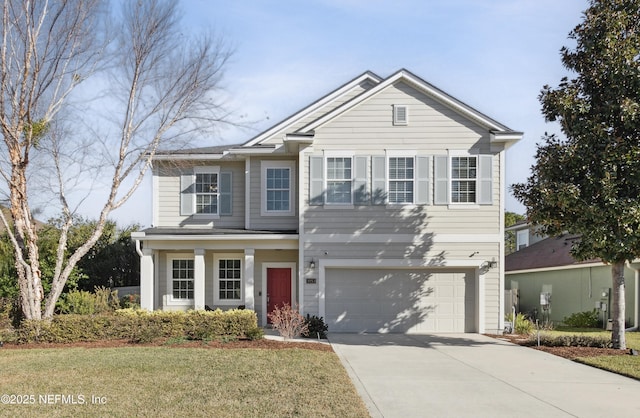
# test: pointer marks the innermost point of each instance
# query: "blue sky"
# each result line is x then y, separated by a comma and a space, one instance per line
494, 55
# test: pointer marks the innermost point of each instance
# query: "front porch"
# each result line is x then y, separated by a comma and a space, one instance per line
196, 269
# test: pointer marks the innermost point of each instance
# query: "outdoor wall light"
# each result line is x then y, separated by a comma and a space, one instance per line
490, 264
312, 265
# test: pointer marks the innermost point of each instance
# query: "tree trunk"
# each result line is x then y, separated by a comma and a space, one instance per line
617, 310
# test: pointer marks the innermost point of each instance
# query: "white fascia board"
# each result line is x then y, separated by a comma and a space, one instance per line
247, 237
557, 268
255, 150
506, 139
427, 88
397, 263
180, 157
313, 107
403, 238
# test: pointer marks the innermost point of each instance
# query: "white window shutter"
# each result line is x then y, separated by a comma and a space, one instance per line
378, 181
485, 180
360, 184
423, 177
441, 180
187, 190
225, 196
316, 181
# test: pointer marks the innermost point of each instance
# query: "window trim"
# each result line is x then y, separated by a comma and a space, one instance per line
265, 165
326, 179
216, 278
206, 170
522, 239
171, 300
406, 155
397, 121
475, 180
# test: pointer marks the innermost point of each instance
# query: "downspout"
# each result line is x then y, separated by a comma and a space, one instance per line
138, 248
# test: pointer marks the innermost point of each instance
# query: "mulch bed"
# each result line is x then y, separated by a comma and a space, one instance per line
567, 352
264, 344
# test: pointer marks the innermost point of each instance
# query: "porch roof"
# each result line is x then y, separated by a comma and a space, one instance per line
160, 233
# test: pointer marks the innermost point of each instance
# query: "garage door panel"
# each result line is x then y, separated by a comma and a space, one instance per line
405, 301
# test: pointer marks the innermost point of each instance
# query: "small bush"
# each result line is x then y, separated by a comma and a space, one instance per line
316, 328
288, 321
522, 325
587, 319
81, 302
254, 334
130, 301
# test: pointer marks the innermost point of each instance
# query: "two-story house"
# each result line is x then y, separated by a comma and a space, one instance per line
378, 207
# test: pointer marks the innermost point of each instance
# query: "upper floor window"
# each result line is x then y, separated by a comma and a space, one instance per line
522, 239
463, 179
401, 179
339, 180
206, 193
277, 187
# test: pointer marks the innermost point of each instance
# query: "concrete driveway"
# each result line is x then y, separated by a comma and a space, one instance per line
471, 375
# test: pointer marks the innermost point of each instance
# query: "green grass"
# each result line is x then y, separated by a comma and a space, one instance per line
625, 364
170, 382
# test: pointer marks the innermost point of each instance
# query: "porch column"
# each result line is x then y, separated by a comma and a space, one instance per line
198, 279
249, 301
636, 296
146, 279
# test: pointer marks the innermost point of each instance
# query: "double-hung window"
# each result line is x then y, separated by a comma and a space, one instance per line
401, 179
277, 188
182, 271
206, 192
464, 172
339, 180
228, 277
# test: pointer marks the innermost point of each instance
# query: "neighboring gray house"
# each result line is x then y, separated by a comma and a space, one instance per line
378, 207
544, 265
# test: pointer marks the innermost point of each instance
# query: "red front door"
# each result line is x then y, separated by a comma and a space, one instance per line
278, 288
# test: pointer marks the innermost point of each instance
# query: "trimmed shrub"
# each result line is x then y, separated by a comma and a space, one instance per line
141, 326
570, 340
586, 319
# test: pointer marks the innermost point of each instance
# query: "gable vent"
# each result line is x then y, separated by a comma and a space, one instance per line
400, 114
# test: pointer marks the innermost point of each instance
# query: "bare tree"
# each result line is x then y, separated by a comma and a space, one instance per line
151, 84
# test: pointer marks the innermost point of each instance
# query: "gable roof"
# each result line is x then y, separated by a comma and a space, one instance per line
548, 253
323, 101
423, 86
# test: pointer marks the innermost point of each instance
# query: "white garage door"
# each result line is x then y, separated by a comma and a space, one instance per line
403, 301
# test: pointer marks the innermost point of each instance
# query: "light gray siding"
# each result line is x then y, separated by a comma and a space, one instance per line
168, 195
276, 137
432, 233
270, 222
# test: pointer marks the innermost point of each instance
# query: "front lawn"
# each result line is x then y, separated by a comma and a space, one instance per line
622, 364
175, 381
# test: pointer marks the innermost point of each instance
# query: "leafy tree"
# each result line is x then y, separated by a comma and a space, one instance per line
113, 261
82, 105
589, 182
511, 218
